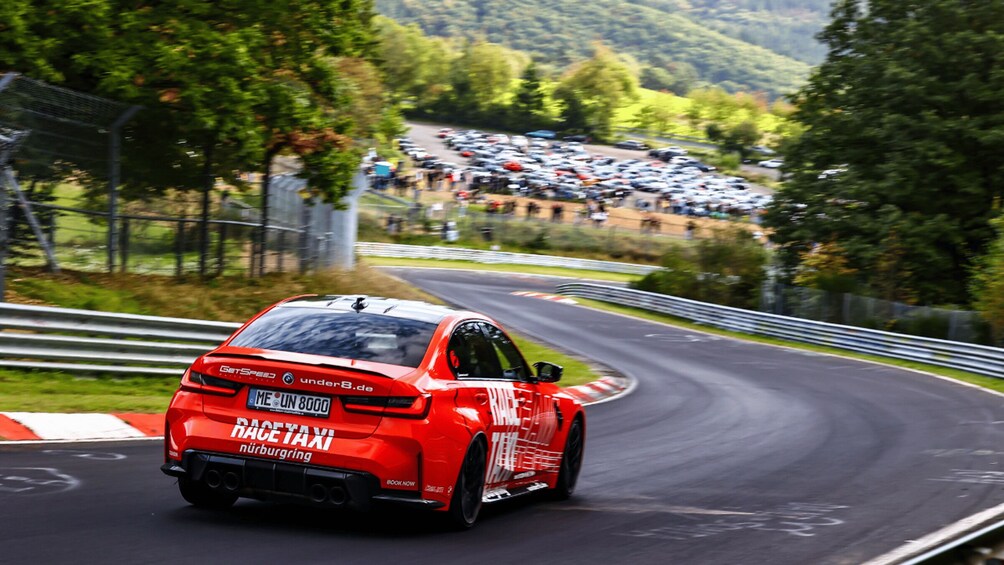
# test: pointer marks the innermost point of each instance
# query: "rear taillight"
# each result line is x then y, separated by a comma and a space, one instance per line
205, 384
398, 406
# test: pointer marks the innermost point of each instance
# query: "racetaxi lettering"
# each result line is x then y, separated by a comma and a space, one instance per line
502, 402
245, 372
503, 457
283, 433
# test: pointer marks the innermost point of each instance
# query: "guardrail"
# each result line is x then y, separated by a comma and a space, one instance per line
497, 257
956, 355
83, 340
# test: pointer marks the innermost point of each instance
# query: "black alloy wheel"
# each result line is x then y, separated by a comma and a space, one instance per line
571, 462
467, 495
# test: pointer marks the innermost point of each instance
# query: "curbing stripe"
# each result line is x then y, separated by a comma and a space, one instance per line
75, 426
41, 427
147, 424
12, 430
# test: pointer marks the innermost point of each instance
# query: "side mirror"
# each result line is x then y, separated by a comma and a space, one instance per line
548, 372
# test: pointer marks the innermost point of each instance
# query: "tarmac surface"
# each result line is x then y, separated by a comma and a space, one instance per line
725, 452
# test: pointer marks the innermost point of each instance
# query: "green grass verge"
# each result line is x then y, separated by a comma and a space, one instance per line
524, 269
49, 391
576, 372
971, 378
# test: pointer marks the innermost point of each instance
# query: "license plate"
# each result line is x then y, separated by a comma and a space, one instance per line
289, 403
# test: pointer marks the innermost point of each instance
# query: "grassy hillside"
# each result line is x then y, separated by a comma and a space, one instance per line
787, 27
722, 43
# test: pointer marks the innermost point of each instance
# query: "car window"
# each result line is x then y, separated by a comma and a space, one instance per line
349, 335
513, 365
471, 356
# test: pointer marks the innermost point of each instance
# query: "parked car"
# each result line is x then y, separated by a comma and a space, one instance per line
578, 137
541, 134
667, 153
346, 402
631, 144
772, 163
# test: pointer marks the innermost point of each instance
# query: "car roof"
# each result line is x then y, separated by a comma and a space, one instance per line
409, 309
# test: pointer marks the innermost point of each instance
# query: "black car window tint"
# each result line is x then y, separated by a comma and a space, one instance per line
348, 335
513, 365
459, 354
475, 357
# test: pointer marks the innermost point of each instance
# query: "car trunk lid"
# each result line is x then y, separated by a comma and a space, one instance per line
295, 394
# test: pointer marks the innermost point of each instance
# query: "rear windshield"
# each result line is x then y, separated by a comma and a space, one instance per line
368, 337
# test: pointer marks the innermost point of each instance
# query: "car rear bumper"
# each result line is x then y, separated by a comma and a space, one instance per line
289, 482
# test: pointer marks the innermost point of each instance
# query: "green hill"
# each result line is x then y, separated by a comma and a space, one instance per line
751, 45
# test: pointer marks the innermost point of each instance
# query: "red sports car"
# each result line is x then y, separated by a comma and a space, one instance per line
352, 401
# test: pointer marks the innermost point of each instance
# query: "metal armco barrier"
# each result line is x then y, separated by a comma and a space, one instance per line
84, 340
956, 355
65, 339
497, 257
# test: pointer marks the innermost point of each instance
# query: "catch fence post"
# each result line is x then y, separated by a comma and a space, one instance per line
179, 249
124, 246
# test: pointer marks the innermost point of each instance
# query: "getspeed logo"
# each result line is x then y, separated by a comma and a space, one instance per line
246, 372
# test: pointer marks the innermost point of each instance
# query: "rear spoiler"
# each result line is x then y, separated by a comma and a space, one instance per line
283, 360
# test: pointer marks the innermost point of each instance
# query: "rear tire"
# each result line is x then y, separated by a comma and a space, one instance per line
465, 505
199, 495
571, 462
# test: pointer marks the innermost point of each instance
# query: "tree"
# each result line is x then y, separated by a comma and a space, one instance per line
656, 78
727, 269
224, 87
480, 78
685, 77
603, 84
825, 267
908, 107
573, 110
529, 106
988, 284
738, 138
654, 117
416, 66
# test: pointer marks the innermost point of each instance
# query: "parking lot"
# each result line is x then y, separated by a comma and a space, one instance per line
588, 184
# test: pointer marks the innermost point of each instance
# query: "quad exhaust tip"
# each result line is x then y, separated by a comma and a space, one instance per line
318, 493
338, 496
213, 478
231, 481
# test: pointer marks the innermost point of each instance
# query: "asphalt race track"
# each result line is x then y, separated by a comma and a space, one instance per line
726, 452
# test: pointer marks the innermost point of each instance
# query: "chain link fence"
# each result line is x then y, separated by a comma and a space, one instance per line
392, 219
170, 245
873, 313
59, 159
